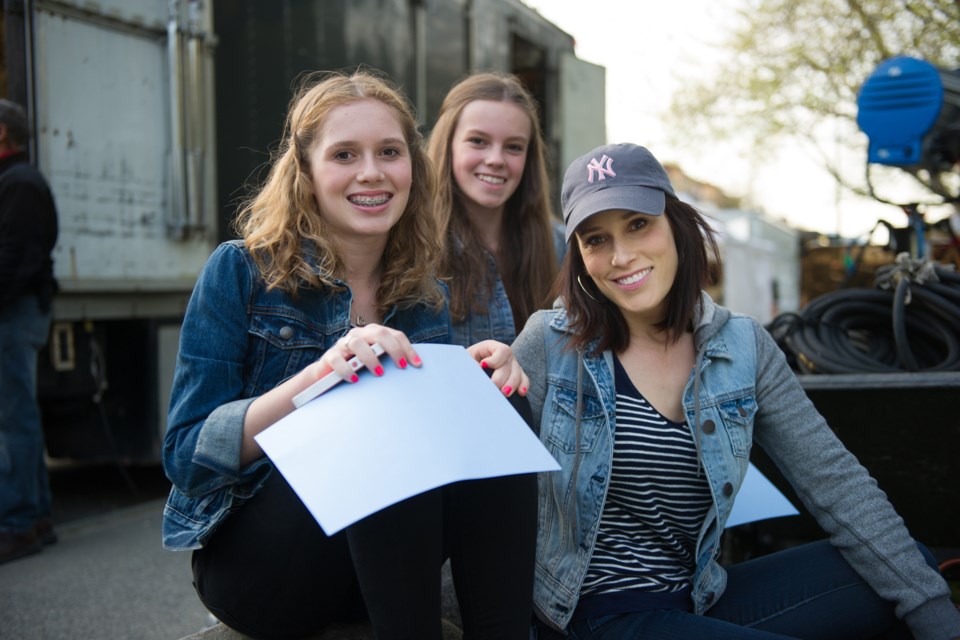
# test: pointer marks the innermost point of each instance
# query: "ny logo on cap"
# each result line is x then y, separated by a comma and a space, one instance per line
603, 168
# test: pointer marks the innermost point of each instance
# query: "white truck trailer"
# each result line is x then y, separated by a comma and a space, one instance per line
153, 116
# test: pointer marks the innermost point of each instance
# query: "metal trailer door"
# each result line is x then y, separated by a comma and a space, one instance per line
582, 119
122, 97
122, 100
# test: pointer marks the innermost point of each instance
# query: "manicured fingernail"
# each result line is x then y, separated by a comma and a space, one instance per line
523, 391
378, 370
507, 390
402, 363
483, 365
354, 378
417, 360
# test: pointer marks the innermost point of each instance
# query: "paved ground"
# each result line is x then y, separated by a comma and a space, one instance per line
107, 577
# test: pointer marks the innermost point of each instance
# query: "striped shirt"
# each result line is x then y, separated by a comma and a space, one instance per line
655, 506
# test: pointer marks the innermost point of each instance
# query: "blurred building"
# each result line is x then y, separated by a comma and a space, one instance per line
760, 255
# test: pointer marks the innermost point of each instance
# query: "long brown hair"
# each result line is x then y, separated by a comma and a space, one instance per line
283, 216
591, 315
527, 263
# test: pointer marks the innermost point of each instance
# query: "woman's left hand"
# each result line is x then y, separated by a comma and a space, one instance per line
507, 373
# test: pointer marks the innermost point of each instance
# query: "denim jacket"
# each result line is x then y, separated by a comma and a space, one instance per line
497, 323
239, 340
740, 392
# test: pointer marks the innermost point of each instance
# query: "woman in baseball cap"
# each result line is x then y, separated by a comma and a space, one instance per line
651, 396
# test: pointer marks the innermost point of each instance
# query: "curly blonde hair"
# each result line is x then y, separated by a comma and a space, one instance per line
278, 220
528, 261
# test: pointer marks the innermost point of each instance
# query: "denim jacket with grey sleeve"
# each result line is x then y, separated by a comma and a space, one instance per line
741, 392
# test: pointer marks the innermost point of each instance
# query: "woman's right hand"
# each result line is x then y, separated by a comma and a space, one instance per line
508, 375
358, 342
278, 402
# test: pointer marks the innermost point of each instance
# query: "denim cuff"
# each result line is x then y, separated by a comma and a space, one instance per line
221, 437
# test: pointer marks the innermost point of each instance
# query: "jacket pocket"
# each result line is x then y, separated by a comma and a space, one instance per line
737, 415
562, 432
282, 344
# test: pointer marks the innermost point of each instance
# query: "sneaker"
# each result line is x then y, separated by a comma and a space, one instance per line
17, 545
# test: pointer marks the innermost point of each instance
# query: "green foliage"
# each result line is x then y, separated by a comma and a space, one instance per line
795, 66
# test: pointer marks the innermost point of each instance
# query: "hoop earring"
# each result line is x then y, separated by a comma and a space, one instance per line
580, 282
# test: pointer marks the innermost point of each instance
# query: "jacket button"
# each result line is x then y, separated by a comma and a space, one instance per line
709, 426
742, 412
728, 489
286, 332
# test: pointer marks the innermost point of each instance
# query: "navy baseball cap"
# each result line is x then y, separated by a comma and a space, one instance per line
614, 176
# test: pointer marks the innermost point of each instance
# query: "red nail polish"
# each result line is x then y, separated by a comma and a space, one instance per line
523, 391
483, 365
354, 378
378, 370
507, 390
402, 363
417, 360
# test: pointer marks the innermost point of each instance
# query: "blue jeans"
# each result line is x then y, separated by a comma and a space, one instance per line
807, 591
24, 486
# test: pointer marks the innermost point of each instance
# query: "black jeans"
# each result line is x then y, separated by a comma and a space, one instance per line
271, 572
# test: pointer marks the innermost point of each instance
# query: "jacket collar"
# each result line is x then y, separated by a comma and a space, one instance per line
12, 158
561, 322
709, 320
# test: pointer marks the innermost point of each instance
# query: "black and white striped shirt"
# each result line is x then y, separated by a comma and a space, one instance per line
655, 506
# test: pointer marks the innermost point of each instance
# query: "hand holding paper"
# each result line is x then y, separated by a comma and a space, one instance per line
330, 380
361, 447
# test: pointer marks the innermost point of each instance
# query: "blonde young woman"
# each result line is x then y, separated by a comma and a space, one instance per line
493, 197
337, 252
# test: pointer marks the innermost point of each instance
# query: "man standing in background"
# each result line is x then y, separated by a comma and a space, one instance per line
28, 233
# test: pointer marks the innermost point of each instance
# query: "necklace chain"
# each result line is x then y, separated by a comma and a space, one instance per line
359, 320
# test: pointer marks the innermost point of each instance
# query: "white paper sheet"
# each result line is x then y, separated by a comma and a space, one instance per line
758, 499
361, 447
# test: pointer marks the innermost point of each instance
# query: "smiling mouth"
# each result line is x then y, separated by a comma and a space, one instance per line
370, 201
490, 179
636, 277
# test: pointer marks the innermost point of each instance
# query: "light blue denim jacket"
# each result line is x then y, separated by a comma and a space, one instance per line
740, 392
239, 340
497, 323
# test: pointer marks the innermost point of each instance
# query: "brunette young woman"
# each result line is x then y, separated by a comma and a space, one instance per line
651, 396
493, 198
337, 252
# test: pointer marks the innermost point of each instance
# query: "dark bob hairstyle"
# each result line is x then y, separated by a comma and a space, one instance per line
591, 315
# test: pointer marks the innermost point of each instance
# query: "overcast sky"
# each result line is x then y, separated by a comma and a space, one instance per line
646, 48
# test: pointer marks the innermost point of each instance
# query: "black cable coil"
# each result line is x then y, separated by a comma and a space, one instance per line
910, 322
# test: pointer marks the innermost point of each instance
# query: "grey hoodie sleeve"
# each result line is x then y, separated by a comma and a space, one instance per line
846, 502
530, 351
